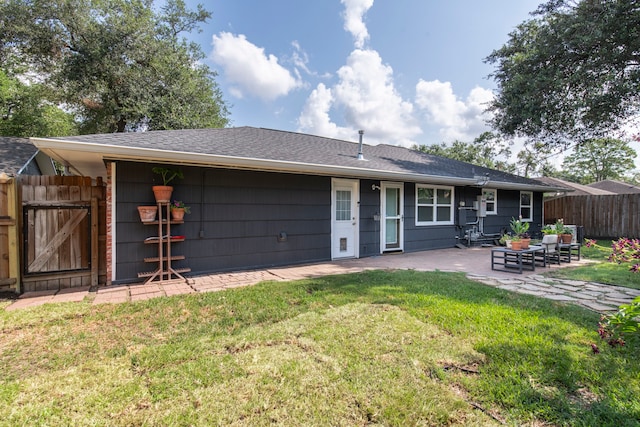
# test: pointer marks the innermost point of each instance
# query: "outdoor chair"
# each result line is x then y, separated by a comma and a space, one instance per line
550, 244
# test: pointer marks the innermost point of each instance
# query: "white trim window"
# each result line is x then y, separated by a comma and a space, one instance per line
491, 196
434, 205
526, 206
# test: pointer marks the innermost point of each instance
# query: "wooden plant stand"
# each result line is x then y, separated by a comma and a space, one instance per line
165, 272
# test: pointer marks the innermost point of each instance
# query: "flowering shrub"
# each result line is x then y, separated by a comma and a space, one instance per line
626, 250
626, 321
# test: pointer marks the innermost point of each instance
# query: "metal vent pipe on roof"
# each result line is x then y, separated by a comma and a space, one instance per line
360, 155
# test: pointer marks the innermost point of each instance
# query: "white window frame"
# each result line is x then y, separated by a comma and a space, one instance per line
435, 205
530, 206
493, 211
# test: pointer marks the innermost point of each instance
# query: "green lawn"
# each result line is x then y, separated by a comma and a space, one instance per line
601, 270
385, 348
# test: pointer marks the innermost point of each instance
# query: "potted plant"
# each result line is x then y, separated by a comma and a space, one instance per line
520, 231
147, 213
516, 243
549, 230
505, 240
566, 235
163, 192
178, 209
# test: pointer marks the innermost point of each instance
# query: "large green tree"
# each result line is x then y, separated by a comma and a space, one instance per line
487, 150
119, 65
599, 159
570, 73
25, 111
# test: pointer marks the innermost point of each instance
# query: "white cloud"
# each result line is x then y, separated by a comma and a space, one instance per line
250, 70
367, 99
300, 60
315, 115
458, 119
354, 11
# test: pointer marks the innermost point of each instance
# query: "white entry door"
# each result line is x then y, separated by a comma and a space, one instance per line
392, 229
344, 219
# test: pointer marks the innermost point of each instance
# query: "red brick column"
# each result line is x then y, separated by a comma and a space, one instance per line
110, 229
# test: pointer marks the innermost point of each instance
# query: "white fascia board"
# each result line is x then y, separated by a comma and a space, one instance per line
117, 152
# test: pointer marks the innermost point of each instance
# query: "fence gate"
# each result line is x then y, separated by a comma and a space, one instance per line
60, 231
9, 243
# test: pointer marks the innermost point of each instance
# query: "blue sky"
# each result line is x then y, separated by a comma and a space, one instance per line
405, 71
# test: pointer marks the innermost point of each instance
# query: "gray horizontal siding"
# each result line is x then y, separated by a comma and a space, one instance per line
235, 219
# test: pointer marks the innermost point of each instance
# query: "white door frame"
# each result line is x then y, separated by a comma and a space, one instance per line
398, 217
347, 230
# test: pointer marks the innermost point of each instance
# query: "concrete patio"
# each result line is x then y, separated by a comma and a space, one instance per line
475, 262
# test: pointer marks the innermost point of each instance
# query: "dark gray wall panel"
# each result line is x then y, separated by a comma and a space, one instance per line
236, 217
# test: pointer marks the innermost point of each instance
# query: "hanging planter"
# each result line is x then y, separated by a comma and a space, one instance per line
147, 213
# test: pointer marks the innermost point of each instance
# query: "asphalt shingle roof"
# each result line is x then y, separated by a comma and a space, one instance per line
15, 153
615, 187
298, 148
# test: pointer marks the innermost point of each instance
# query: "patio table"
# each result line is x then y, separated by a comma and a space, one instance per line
515, 261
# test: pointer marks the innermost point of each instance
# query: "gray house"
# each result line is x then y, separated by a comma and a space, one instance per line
262, 197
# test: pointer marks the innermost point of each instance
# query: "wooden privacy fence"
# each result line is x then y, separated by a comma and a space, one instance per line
610, 216
63, 232
9, 234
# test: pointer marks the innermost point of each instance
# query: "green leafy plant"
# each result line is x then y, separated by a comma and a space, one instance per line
559, 226
179, 204
625, 322
168, 174
505, 237
547, 229
567, 230
519, 227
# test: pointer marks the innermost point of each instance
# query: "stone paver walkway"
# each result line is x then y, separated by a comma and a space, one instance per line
475, 262
594, 296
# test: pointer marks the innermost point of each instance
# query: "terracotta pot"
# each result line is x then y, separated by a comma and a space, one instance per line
147, 213
566, 238
525, 243
177, 214
516, 245
162, 193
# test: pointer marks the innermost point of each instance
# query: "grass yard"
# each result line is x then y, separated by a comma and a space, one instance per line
602, 271
385, 348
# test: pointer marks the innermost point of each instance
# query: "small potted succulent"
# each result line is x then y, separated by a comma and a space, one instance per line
178, 209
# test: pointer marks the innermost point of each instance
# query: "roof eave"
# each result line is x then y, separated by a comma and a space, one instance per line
54, 148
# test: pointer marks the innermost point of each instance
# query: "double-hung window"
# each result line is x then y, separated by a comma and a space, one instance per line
434, 205
491, 196
526, 205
